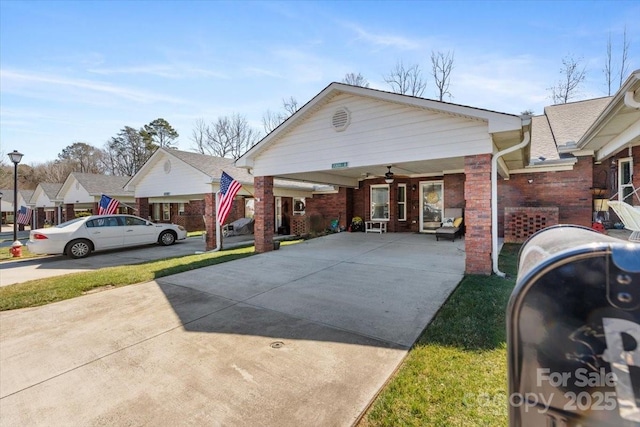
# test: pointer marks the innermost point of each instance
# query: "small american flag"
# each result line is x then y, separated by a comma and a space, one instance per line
108, 206
24, 215
229, 187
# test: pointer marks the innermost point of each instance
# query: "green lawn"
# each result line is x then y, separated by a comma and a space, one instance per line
456, 374
5, 255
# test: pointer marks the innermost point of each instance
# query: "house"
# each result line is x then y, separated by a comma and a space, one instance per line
46, 204
81, 193
7, 204
402, 160
179, 186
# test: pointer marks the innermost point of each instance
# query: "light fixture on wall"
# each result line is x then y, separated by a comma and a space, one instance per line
414, 187
388, 177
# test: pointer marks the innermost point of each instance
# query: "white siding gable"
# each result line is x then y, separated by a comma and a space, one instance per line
181, 179
379, 132
76, 193
41, 199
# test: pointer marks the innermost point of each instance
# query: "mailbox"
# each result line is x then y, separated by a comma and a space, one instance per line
573, 331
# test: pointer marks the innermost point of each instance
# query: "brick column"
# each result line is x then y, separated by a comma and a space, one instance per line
264, 213
95, 209
210, 221
69, 212
477, 214
40, 217
142, 207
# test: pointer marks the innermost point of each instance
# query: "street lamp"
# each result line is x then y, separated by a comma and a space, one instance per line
15, 157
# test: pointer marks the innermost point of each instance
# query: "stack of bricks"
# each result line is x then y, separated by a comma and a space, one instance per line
522, 222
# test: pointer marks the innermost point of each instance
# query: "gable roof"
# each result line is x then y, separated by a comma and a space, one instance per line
213, 166
50, 189
618, 125
497, 122
568, 122
96, 184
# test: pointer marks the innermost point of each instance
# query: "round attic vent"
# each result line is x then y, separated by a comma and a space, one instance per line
167, 166
341, 119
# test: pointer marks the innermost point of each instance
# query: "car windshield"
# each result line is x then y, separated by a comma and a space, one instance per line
68, 223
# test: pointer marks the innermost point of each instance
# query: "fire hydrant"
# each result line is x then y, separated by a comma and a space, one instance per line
16, 249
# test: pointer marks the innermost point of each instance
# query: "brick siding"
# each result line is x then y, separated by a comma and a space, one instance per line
477, 214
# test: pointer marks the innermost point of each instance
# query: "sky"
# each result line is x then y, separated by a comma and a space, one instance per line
82, 71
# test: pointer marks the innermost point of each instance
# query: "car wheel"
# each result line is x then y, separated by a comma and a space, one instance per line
78, 248
167, 238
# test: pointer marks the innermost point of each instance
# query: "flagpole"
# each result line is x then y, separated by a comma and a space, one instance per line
218, 225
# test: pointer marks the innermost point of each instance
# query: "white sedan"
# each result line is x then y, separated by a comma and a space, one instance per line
81, 236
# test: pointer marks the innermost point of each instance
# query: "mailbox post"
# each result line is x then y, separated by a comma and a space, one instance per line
573, 331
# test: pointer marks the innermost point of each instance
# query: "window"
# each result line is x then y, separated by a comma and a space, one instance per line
166, 211
181, 209
298, 206
625, 175
129, 220
402, 202
379, 202
156, 211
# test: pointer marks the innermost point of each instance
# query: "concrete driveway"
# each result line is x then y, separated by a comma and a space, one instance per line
306, 335
22, 270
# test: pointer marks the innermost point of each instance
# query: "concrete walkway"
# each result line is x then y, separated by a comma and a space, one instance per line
306, 335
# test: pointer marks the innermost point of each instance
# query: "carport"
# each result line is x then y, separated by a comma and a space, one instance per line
377, 145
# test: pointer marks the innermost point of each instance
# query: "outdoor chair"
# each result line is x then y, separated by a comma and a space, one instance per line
452, 224
629, 216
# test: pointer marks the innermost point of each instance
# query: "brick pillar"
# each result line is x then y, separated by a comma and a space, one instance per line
69, 212
264, 213
210, 221
40, 218
142, 207
477, 214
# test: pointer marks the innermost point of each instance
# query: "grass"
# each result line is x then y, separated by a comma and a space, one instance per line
5, 255
456, 373
44, 291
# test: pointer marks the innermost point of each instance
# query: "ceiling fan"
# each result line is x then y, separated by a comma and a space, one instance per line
388, 176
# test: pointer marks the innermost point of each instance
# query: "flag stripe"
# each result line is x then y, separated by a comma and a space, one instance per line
229, 187
107, 206
24, 215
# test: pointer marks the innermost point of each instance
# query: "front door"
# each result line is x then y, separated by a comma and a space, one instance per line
432, 204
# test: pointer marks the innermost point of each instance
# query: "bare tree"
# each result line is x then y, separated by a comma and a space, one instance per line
271, 119
608, 66
406, 81
624, 65
441, 67
226, 137
355, 80
573, 74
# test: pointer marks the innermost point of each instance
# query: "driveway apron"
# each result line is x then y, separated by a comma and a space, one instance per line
305, 335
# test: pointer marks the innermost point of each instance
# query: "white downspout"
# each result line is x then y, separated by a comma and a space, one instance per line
494, 196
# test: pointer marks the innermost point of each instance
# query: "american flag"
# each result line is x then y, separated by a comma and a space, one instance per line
24, 215
229, 187
108, 206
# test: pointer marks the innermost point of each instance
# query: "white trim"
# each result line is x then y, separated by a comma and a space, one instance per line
404, 202
619, 141
377, 186
628, 160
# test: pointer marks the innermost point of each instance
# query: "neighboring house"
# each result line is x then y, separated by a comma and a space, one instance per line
179, 186
46, 204
444, 155
7, 205
81, 192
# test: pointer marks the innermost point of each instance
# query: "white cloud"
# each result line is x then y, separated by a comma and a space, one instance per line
171, 71
48, 86
385, 40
